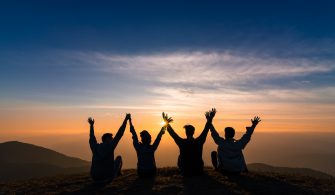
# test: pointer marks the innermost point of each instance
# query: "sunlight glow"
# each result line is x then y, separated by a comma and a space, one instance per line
162, 123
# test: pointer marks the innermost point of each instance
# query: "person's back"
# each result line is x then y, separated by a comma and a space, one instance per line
103, 165
145, 158
190, 159
146, 165
102, 161
230, 155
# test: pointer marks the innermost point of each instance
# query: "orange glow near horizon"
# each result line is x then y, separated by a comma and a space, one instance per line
66, 129
280, 118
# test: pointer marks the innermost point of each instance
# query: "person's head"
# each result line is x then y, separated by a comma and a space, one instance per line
229, 132
189, 129
107, 137
145, 137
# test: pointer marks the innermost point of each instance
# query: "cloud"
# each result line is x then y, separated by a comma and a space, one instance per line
201, 78
200, 68
185, 83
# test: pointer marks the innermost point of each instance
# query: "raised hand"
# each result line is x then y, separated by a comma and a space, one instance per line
166, 118
210, 114
90, 121
255, 121
207, 114
128, 116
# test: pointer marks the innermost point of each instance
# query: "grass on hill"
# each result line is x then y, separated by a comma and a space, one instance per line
169, 181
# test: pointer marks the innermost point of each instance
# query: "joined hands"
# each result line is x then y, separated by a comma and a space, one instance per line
167, 119
210, 114
90, 121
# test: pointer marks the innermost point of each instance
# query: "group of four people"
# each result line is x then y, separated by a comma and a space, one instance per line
228, 158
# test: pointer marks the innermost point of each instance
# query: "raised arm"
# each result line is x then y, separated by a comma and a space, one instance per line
92, 140
173, 134
120, 132
215, 135
209, 116
247, 136
170, 130
133, 132
158, 138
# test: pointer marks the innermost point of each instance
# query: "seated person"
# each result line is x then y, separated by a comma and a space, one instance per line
104, 167
190, 160
146, 165
229, 157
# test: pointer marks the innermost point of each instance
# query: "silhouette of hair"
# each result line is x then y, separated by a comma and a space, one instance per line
145, 137
229, 132
106, 136
189, 130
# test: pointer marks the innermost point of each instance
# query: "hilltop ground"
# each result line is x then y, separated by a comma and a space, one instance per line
169, 181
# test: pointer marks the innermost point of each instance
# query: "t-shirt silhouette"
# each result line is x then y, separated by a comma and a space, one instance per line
190, 159
145, 153
102, 166
230, 154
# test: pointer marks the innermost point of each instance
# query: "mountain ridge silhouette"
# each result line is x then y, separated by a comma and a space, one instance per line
265, 168
20, 160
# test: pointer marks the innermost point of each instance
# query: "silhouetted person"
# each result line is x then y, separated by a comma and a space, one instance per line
104, 167
190, 158
146, 165
229, 158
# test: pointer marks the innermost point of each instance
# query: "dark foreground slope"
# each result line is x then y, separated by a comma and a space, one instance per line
169, 181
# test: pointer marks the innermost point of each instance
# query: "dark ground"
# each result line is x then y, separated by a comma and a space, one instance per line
169, 181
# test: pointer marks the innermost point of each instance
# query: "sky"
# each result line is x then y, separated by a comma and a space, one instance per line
62, 61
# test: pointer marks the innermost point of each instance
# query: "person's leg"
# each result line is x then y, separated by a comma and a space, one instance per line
214, 156
117, 166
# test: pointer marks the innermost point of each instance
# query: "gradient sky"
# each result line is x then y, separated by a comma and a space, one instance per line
62, 61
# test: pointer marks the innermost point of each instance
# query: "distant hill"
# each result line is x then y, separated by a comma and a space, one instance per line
21, 160
260, 167
169, 181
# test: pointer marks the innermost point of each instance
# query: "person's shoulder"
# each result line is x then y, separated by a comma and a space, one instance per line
230, 141
106, 145
100, 146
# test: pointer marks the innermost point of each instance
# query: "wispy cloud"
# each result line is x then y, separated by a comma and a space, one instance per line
185, 79
181, 80
199, 67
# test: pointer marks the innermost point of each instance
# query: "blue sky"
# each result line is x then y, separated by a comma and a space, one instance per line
138, 26
171, 55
